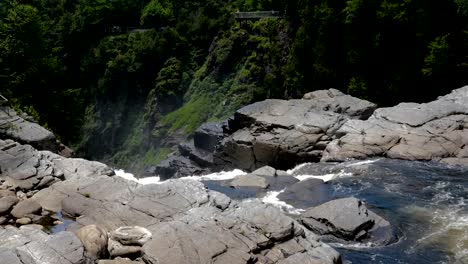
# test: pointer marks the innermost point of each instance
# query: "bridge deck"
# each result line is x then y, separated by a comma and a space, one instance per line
256, 14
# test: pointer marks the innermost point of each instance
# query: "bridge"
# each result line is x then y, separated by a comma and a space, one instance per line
256, 15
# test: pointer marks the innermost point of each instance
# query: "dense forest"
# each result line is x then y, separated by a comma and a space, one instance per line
124, 80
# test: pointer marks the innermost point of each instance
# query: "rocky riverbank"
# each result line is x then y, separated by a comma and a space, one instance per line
326, 126
178, 221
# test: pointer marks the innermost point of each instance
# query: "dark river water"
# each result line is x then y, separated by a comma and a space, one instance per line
425, 202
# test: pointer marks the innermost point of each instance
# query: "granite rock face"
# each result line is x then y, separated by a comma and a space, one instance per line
437, 130
284, 133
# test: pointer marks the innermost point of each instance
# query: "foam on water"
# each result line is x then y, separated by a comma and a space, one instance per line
272, 198
326, 177
448, 225
217, 176
291, 171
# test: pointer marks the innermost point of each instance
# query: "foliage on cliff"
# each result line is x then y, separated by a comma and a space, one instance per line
125, 80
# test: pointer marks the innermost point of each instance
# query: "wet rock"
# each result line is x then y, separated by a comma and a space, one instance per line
26, 207
6, 203
350, 220
131, 235
176, 167
250, 180
307, 193
94, 240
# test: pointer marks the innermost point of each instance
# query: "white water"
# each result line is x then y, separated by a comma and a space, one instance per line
218, 176
272, 198
328, 177
131, 177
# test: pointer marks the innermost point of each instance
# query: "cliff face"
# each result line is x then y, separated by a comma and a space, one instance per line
135, 128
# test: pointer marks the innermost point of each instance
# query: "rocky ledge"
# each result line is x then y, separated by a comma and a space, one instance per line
107, 219
23, 129
327, 125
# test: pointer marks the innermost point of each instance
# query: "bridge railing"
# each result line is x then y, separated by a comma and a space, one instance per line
256, 14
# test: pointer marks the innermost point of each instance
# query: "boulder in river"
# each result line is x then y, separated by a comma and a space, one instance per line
349, 219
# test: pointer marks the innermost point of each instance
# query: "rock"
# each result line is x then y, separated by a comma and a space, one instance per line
82, 168
131, 235
208, 135
176, 167
116, 249
432, 131
265, 171
118, 261
350, 220
94, 240
233, 236
63, 247
283, 133
307, 193
6, 203
23, 221
250, 180
5, 193
201, 157
35, 226
33, 246
338, 102
15, 127
183, 216
26, 207
8, 256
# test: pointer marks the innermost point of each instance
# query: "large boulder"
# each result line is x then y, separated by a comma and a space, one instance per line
26, 207
436, 130
283, 133
350, 220
94, 240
